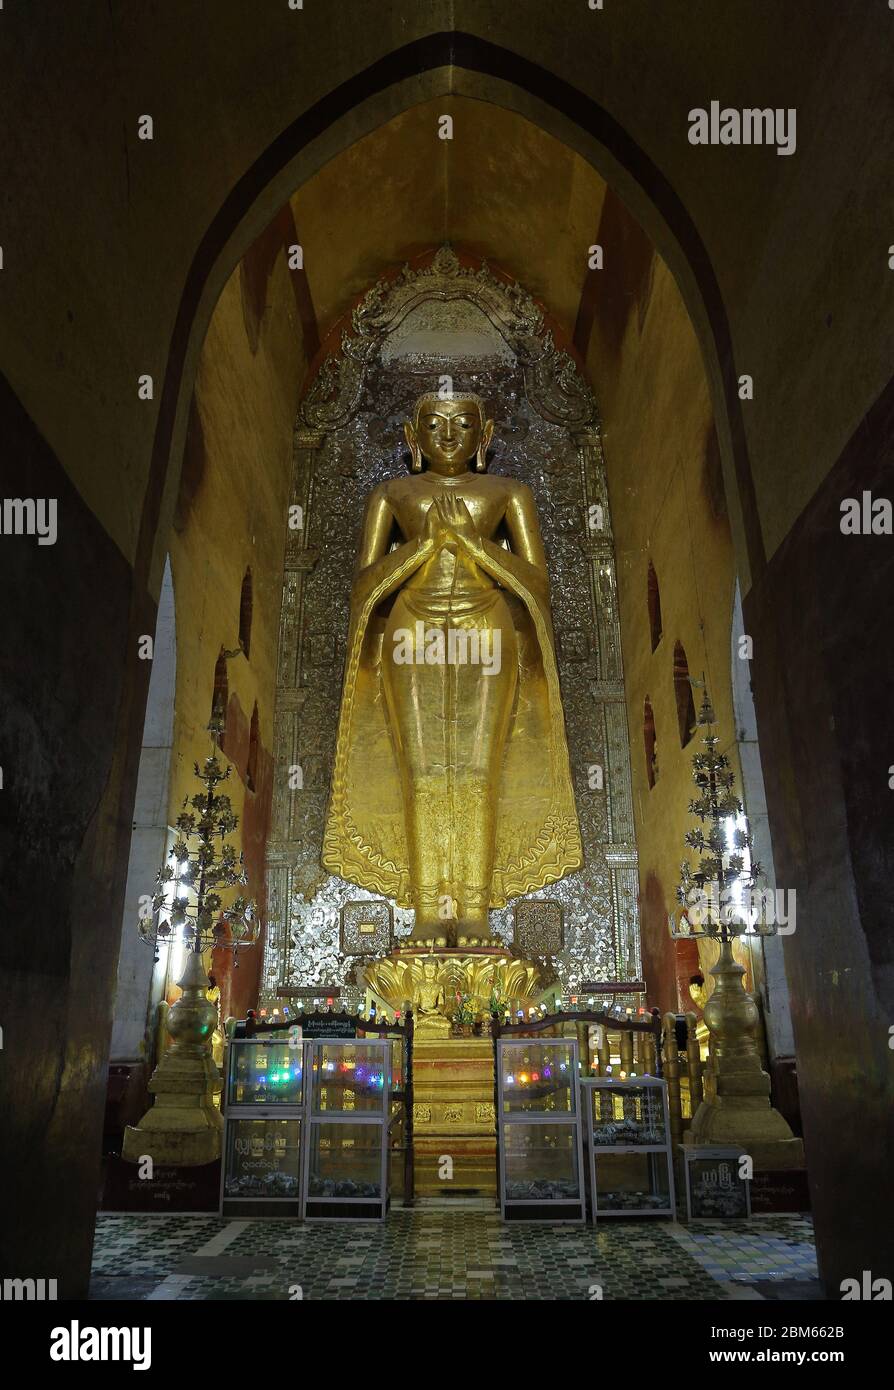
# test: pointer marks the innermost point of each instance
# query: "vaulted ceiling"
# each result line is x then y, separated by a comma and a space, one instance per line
501, 187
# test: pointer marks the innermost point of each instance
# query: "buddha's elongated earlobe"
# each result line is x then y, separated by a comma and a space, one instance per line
487, 435
415, 451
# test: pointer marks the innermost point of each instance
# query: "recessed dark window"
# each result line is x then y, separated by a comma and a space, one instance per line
245, 609
654, 598
683, 695
253, 742
650, 742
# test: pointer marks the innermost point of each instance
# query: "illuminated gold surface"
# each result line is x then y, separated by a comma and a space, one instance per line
454, 1123
410, 976
430, 1002
534, 175
451, 790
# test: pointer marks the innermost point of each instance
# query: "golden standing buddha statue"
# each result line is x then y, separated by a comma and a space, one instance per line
451, 789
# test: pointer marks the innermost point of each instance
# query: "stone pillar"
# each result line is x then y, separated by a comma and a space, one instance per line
288, 826
619, 835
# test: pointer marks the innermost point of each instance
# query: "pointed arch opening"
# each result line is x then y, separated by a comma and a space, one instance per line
650, 742
251, 776
246, 602
686, 721
654, 604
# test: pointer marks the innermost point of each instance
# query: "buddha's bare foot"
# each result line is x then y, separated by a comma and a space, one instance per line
429, 935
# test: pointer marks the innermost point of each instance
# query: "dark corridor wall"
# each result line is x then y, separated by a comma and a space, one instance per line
72, 696
823, 674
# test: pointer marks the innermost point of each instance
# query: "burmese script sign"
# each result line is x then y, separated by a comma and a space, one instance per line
326, 1027
715, 1187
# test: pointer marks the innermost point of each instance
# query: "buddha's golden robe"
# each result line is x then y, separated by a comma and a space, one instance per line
537, 838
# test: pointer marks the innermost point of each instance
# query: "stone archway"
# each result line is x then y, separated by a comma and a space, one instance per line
441, 65
434, 66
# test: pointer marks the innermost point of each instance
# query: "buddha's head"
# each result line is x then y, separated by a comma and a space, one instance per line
449, 430
428, 968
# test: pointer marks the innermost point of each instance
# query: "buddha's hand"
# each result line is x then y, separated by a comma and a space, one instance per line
434, 527
457, 519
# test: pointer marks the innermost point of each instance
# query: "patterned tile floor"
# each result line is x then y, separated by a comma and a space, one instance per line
751, 1252
466, 1253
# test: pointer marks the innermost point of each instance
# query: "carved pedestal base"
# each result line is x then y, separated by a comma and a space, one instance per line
736, 1109
454, 1125
184, 1126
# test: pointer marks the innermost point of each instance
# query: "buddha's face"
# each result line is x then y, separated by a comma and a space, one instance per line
449, 433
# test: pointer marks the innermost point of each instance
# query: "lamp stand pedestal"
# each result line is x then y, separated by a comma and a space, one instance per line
736, 1109
184, 1126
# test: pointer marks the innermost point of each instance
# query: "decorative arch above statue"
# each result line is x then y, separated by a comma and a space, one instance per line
553, 384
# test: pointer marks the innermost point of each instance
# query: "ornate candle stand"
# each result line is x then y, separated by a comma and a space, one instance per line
718, 902
184, 1126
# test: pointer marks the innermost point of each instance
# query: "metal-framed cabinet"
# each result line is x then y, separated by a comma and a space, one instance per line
540, 1150
714, 1187
348, 1129
264, 1127
629, 1146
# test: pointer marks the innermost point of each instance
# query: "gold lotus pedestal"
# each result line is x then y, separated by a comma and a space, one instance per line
434, 978
454, 1122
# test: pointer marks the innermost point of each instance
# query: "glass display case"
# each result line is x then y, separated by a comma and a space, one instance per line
264, 1126
350, 1078
630, 1183
345, 1160
629, 1146
265, 1072
262, 1159
628, 1114
541, 1156
346, 1172
538, 1076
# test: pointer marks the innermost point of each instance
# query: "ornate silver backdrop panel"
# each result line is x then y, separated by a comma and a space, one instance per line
349, 438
